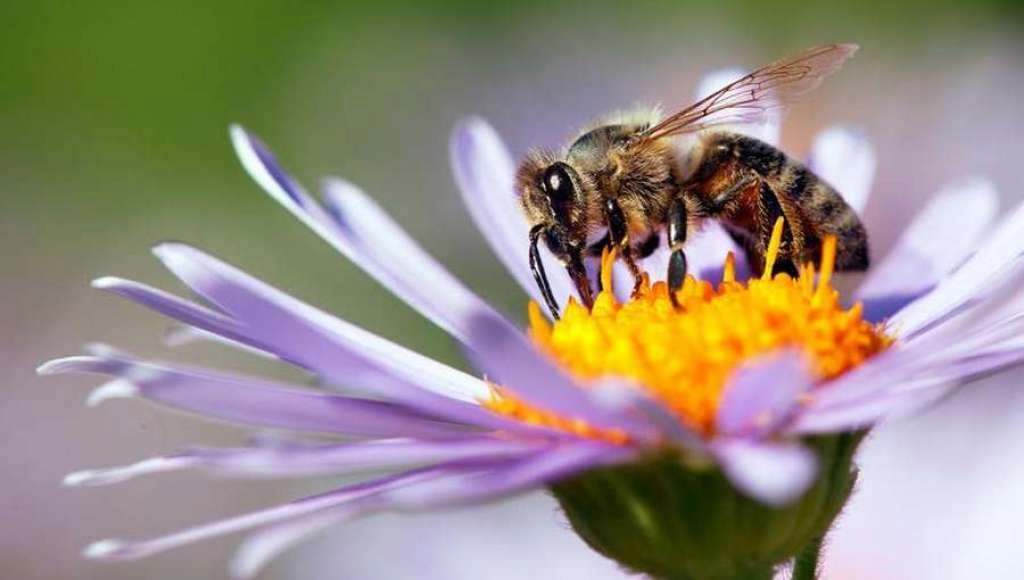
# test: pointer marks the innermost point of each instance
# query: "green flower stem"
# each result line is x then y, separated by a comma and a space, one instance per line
805, 567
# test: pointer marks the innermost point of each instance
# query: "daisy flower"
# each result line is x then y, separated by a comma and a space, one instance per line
713, 440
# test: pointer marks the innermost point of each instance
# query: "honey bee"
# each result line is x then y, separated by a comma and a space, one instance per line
623, 184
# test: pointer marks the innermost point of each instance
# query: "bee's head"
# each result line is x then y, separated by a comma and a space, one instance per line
553, 199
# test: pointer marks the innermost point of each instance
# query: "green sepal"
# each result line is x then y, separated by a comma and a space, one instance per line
663, 516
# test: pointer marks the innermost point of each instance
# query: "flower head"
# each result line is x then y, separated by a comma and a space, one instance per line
753, 392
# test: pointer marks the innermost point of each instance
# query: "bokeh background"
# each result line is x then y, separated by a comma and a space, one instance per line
113, 121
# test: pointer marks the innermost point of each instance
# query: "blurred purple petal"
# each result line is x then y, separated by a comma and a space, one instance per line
253, 401
762, 395
994, 256
264, 545
868, 410
314, 338
919, 261
484, 172
339, 498
846, 160
307, 459
377, 244
774, 473
542, 468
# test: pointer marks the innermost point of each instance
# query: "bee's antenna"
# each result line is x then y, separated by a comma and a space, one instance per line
537, 267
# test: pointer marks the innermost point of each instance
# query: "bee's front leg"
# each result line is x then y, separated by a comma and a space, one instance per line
618, 232
677, 217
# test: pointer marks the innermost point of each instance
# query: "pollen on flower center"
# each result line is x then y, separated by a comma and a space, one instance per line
685, 356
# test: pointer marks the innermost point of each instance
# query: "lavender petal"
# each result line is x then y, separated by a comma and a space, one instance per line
484, 171
993, 257
542, 468
457, 489
773, 473
337, 499
252, 401
308, 459
917, 263
763, 394
377, 244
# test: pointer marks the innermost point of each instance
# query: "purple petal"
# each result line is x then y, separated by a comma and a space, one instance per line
339, 498
706, 253
264, 545
763, 394
305, 459
309, 338
845, 159
456, 489
368, 237
506, 357
773, 473
918, 261
537, 470
378, 245
771, 121
867, 411
484, 171
994, 256
252, 401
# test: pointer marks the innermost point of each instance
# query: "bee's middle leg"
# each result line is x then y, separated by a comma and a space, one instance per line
618, 236
677, 218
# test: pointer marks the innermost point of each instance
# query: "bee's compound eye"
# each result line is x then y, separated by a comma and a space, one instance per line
557, 183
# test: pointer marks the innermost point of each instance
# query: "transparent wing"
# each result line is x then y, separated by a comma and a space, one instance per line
746, 100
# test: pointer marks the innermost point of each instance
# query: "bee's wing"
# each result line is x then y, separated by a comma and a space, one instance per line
747, 99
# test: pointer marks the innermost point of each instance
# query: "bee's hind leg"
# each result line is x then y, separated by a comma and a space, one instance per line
677, 217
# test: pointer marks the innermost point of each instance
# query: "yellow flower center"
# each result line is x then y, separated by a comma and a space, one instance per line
685, 355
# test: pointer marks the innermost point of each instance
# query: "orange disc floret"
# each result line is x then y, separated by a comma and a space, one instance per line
685, 355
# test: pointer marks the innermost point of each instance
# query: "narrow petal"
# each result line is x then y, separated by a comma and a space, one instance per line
484, 172
304, 333
845, 159
867, 411
774, 473
306, 460
763, 394
531, 472
384, 250
918, 261
506, 357
365, 235
994, 256
264, 545
120, 550
251, 401
470, 486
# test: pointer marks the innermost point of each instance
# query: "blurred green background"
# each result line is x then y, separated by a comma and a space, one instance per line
113, 122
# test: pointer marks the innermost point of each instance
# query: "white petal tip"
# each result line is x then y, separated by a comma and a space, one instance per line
54, 367
333, 187
116, 389
106, 282
81, 478
104, 549
107, 476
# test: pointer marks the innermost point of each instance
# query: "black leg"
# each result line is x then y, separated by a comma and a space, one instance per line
618, 230
676, 239
537, 267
